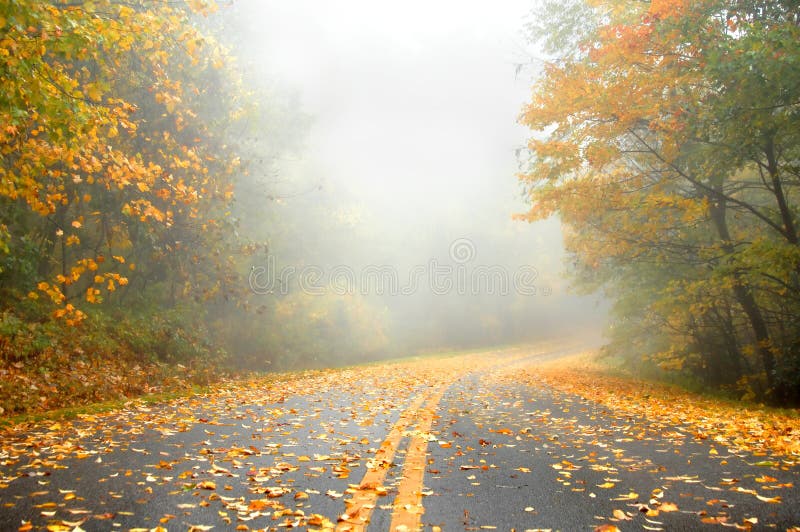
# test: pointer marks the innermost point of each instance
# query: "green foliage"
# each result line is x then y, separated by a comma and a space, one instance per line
22, 340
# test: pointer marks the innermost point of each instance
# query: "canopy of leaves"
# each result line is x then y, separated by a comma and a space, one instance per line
114, 172
668, 144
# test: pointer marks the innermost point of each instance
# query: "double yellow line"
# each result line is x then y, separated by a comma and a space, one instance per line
407, 508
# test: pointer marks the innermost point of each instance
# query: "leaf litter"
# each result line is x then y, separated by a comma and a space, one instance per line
254, 454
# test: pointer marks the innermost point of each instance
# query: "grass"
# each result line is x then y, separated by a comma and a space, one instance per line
74, 412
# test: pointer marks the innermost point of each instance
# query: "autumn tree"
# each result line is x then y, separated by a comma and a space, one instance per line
118, 168
115, 171
668, 145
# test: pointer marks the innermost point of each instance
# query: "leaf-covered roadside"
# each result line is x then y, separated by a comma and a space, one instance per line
551, 459
505, 449
102, 359
767, 432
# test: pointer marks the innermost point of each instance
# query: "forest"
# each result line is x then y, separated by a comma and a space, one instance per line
144, 181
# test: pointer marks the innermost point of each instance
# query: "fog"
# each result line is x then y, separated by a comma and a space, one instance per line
259, 185
397, 148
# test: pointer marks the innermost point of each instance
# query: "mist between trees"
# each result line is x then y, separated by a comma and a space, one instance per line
150, 166
434, 277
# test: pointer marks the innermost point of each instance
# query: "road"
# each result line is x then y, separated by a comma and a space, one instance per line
473, 442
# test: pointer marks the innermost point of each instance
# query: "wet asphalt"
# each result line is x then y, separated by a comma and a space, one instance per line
504, 453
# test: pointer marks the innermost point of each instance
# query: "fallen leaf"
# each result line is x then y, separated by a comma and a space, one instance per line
606, 528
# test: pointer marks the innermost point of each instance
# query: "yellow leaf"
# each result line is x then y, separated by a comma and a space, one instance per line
94, 92
668, 507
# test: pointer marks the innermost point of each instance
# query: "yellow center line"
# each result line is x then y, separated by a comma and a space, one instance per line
408, 509
359, 508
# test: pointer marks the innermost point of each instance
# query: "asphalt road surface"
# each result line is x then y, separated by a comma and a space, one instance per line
455, 443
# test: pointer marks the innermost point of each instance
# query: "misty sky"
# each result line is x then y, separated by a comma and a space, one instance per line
413, 101
414, 107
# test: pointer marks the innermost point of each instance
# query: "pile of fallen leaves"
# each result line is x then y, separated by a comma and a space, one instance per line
46, 364
754, 429
33, 386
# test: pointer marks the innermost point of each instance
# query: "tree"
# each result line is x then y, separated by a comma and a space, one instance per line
115, 170
669, 146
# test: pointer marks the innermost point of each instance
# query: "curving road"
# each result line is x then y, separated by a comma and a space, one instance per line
470, 442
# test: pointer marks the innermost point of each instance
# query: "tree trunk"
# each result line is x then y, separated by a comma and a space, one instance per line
744, 296
790, 231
